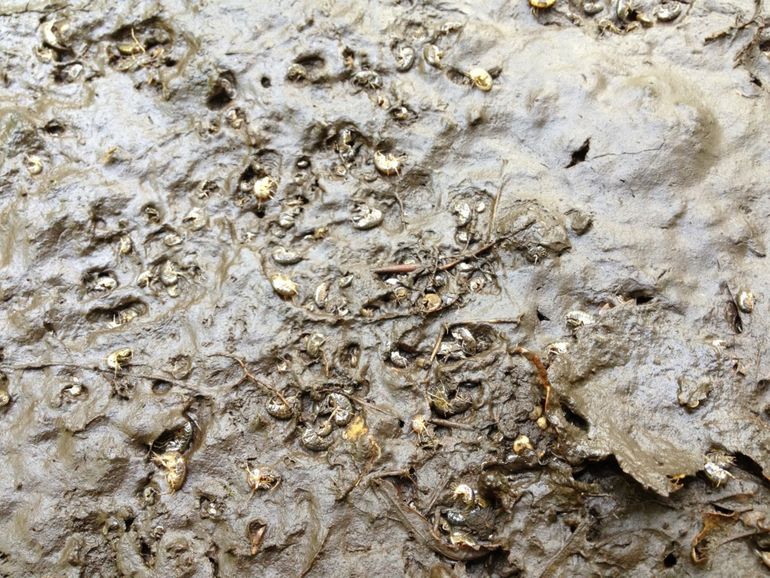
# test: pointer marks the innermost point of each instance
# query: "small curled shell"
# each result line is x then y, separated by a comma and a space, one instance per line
542, 4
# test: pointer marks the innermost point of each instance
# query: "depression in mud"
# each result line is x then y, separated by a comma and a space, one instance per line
353, 288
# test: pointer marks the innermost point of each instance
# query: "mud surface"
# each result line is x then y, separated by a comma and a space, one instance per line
443, 289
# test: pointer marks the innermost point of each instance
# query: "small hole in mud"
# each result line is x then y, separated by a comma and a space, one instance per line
670, 560
755, 80
266, 82
222, 92
579, 155
747, 464
161, 387
574, 418
401, 423
145, 551
54, 127
642, 299
542, 316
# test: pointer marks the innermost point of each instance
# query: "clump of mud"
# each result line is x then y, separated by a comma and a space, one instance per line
298, 289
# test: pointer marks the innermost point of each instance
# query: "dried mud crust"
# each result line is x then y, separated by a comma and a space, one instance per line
427, 290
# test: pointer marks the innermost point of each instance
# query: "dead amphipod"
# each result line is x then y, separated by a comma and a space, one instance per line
577, 319
522, 443
283, 286
261, 479
430, 302
432, 55
387, 164
366, 217
117, 359
745, 300
480, 78
668, 12
715, 467
176, 469
53, 32
265, 188
34, 165
281, 407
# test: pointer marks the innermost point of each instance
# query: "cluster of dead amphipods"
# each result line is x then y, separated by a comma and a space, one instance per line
432, 48
323, 414
170, 452
620, 16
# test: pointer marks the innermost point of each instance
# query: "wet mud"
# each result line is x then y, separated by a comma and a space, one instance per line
445, 289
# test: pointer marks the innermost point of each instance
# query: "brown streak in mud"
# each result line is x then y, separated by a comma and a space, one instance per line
542, 373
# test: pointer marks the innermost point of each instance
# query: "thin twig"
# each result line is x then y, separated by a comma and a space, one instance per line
483, 249
370, 405
496, 202
252, 377
451, 424
437, 345
400, 268
397, 268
